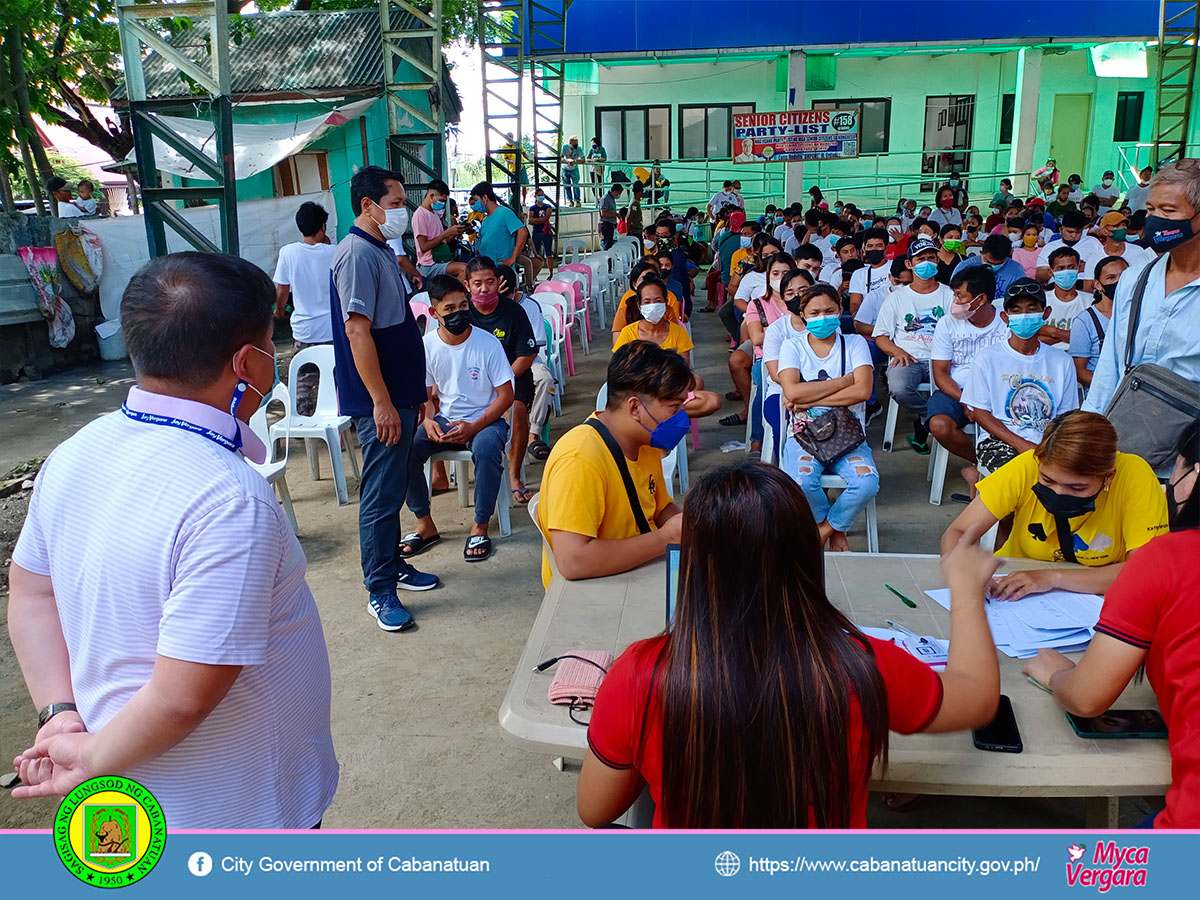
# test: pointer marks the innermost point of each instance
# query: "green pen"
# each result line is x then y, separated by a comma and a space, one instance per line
907, 602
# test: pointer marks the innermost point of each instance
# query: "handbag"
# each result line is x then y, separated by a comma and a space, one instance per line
834, 433
1153, 410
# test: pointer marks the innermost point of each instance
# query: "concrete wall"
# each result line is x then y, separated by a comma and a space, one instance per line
907, 81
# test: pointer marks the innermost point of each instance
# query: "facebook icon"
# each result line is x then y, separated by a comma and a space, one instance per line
200, 864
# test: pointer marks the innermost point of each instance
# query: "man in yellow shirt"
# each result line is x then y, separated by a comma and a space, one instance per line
584, 508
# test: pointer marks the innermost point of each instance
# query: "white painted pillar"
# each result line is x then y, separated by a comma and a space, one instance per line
1025, 114
794, 171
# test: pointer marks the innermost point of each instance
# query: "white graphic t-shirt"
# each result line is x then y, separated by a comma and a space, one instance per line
960, 342
1024, 392
1063, 313
908, 318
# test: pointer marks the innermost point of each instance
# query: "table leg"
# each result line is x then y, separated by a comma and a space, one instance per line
1101, 812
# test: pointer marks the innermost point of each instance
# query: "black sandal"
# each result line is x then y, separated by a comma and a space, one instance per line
475, 542
416, 544
539, 450
733, 419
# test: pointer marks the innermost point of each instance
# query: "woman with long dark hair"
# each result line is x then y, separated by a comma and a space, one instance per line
764, 706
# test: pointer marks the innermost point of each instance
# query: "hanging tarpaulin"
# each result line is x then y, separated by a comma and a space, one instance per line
256, 148
42, 264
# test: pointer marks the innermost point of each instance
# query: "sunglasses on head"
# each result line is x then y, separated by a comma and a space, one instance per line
1020, 290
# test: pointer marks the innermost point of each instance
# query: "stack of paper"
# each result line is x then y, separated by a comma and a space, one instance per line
1063, 620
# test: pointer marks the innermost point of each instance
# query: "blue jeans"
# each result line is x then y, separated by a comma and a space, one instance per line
380, 499
857, 467
570, 179
487, 453
902, 384
756, 410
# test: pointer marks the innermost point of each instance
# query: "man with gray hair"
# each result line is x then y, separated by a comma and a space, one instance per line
158, 606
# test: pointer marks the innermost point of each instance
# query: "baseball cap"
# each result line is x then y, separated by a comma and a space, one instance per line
920, 245
1112, 218
1036, 201
55, 183
1108, 174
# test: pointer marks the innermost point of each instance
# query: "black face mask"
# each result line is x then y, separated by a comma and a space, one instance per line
794, 306
1109, 290
874, 257
1064, 505
1167, 234
457, 322
1067, 243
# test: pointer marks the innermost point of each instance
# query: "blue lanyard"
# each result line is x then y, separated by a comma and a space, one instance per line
215, 436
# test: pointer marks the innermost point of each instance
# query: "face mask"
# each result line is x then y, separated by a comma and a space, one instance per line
1167, 234
874, 257
868, 223
995, 210
1070, 243
439, 205
653, 312
485, 302
457, 322
665, 435
953, 182
775, 283
954, 245
395, 222
794, 305
925, 269
822, 326
1119, 235
1030, 241
1063, 505
947, 202
745, 242
1066, 278
998, 266
779, 220
477, 206
1109, 290
1026, 325
965, 311
649, 244
1107, 182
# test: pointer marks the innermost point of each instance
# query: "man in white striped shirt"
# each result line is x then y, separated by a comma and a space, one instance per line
158, 606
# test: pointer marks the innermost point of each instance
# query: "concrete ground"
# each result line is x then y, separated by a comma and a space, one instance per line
415, 714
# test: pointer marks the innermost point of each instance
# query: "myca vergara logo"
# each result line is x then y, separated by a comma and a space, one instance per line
1109, 866
110, 832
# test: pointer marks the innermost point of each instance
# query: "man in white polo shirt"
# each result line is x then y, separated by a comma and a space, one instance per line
158, 606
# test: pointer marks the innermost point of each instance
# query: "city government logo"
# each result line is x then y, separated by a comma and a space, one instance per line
110, 832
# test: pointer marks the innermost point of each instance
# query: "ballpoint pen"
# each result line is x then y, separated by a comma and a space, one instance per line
907, 631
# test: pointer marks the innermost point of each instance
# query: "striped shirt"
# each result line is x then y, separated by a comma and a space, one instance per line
159, 541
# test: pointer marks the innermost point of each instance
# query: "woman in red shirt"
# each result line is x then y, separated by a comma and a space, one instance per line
764, 706
1151, 618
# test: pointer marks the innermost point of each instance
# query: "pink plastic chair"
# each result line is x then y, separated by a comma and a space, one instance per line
572, 289
583, 270
557, 302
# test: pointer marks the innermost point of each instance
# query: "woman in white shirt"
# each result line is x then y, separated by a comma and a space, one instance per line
946, 213
819, 372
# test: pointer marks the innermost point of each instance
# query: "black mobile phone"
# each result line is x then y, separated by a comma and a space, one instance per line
1121, 723
1001, 734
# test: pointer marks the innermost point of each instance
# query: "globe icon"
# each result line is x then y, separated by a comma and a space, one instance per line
727, 863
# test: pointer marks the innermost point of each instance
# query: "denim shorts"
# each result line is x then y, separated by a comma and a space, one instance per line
941, 404
438, 268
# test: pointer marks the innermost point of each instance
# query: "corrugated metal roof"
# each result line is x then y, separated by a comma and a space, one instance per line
302, 52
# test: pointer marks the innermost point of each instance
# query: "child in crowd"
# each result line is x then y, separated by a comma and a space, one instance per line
84, 199
1016, 388
1091, 325
1065, 301
1026, 253
471, 388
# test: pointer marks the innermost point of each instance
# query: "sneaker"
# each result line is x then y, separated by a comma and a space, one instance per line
389, 613
412, 580
873, 411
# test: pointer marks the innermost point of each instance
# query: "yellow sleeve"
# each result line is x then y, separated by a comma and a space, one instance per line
680, 342
572, 499
1142, 504
628, 334
673, 307
1003, 490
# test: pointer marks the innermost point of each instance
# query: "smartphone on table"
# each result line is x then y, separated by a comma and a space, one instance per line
1121, 723
1001, 734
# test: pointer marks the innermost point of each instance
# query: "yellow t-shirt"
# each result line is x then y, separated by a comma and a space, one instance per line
673, 311
1131, 512
583, 492
737, 257
677, 338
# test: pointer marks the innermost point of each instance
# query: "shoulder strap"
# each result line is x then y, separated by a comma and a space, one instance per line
1135, 313
842, 342
1100, 333
619, 458
762, 316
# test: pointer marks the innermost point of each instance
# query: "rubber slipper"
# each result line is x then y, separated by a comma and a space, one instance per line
732, 395
416, 544
733, 419
522, 496
919, 446
539, 450
960, 498
476, 542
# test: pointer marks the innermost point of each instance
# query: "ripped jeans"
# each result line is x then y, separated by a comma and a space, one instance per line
857, 468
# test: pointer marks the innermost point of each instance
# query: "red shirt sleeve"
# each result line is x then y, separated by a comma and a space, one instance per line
914, 690
615, 728
1131, 606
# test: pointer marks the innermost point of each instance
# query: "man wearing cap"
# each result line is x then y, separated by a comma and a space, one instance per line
1107, 192
60, 190
1113, 228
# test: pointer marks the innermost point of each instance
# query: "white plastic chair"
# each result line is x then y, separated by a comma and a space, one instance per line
461, 459
674, 463
573, 250
573, 278
939, 459
275, 470
324, 424
533, 514
889, 428
837, 482
572, 314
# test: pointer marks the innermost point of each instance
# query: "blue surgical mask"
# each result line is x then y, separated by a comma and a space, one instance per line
745, 241
926, 269
998, 266
666, 435
438, 205
1026, 325
1066, 278
822, 327
478, 206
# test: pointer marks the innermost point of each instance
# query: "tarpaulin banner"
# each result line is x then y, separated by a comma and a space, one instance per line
795, 135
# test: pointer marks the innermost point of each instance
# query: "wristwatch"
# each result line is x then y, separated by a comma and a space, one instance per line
53, 710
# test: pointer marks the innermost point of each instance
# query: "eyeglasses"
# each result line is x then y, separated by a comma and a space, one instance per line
1018, 290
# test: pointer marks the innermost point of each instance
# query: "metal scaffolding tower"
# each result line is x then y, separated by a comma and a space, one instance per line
146, 120
1178, 35
412, 72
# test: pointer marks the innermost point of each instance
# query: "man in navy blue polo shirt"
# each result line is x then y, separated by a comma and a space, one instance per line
380, 377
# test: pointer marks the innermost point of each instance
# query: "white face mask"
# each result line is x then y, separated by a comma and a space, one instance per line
395, 222
1107, 182
775, 283
653, 312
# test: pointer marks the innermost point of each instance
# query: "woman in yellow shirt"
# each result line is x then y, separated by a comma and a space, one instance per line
1073, 498
636, 275
646, 311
